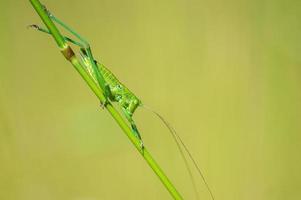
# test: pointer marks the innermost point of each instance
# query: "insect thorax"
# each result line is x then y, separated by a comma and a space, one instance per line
120, 94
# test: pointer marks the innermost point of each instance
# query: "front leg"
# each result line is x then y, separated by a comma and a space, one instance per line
85, 47
109, 96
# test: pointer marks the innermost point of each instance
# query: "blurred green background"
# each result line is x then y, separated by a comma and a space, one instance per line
226, 74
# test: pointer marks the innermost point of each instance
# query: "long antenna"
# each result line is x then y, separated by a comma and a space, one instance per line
177, 138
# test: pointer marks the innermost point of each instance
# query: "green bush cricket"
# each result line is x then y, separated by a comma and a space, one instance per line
115, 91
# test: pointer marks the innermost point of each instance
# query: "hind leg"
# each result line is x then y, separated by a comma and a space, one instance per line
137, 134
134, 127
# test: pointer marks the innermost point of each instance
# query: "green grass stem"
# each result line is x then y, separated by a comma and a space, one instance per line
68, 53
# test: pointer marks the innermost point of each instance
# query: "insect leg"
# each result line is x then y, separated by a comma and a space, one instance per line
137, 134
38, 28
86, 46
134, 127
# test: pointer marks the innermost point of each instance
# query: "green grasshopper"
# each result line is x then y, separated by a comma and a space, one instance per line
115, 91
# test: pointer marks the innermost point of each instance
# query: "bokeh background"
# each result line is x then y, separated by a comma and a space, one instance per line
226, 74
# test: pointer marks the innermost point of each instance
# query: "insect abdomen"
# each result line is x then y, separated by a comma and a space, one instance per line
120, 93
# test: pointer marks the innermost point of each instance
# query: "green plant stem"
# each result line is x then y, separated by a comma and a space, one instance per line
64, 47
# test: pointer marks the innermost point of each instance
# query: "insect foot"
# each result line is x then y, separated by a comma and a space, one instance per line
104, 104
141, 145
47, 11
34, 26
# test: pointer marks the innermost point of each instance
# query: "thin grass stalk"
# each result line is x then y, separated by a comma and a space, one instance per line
69, 55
